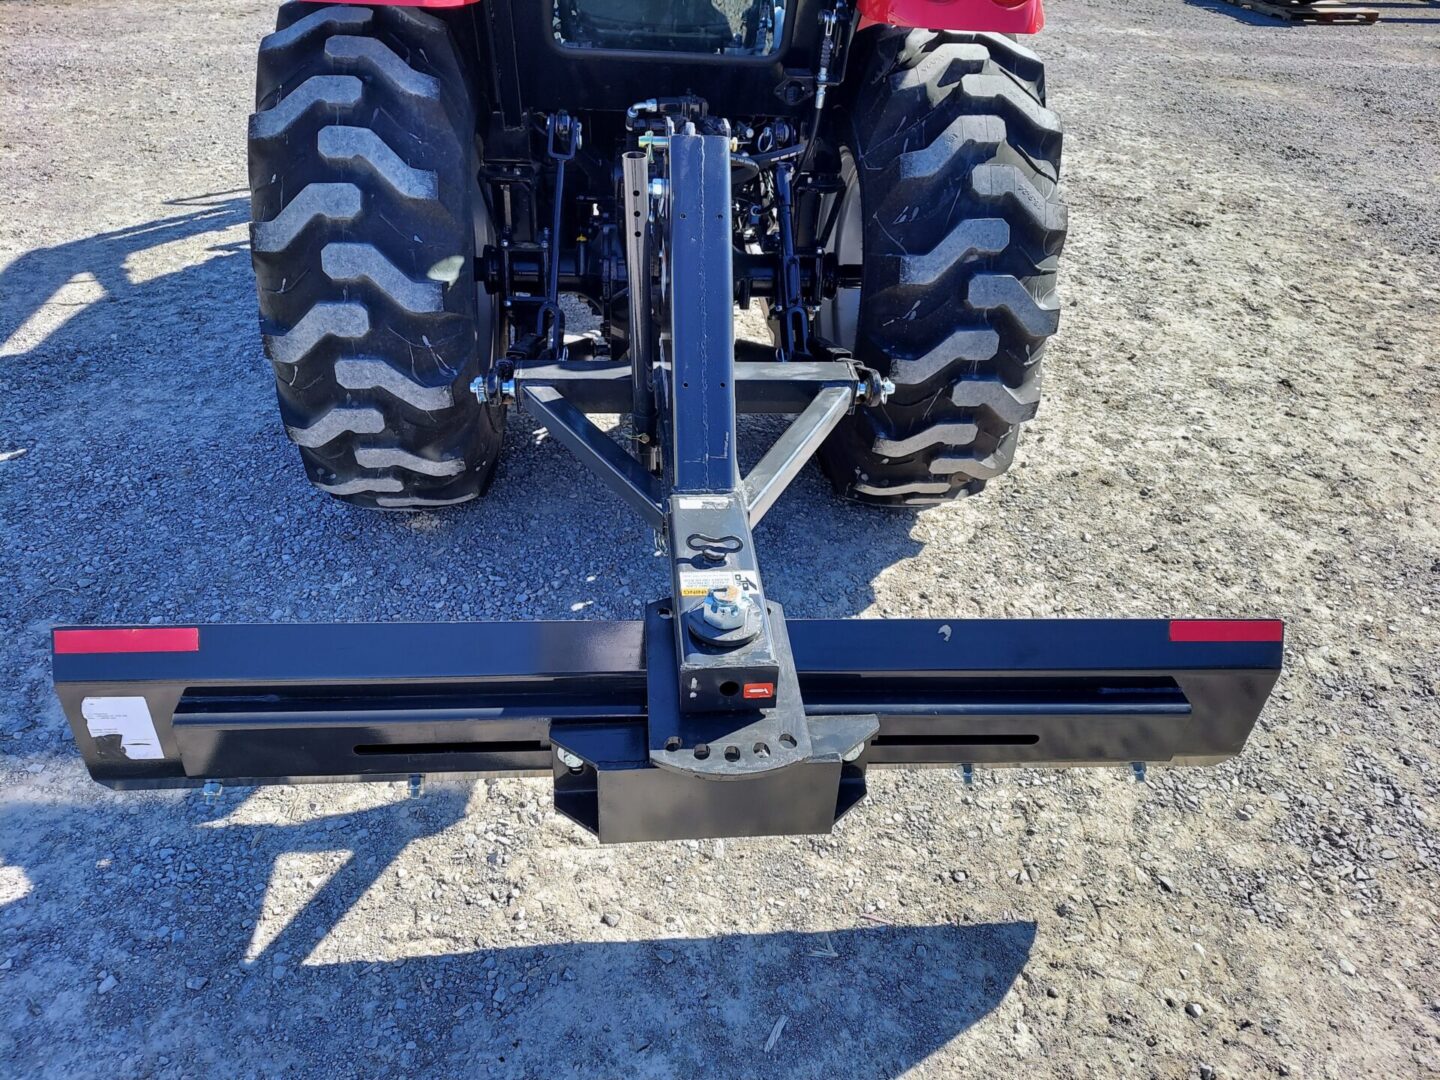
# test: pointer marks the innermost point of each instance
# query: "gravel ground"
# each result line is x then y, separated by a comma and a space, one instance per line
1239, 420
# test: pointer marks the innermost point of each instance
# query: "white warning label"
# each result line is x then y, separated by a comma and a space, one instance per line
700, 582
128, 717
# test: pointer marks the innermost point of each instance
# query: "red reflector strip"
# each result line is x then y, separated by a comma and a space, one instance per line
755, 690
149, 639
1212, 630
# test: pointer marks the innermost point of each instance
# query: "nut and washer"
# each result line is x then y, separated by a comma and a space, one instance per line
728, 608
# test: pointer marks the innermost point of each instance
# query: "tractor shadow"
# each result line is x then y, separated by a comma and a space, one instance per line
57, 301
158, 894
132, 378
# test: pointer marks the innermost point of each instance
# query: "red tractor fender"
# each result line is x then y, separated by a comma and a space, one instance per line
1000, 16
401, 3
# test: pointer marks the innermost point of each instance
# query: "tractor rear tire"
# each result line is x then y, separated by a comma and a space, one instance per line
366, 211
956, 162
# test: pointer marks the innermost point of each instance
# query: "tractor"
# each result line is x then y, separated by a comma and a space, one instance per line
462, 207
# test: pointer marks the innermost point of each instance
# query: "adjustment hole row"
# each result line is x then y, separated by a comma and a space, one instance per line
732, 752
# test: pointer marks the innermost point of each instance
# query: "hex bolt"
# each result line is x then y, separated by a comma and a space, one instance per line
477, 387
1137, 768
874, 390
569, 760
417, 785
726, 609
729, 608
212, 791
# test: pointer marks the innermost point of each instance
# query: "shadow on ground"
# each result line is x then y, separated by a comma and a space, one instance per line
144, 411
34, 284
1240, 14
153, 388
150, 882
1419, 12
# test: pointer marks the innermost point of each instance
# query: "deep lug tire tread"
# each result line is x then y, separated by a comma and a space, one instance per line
958, 161
364, 251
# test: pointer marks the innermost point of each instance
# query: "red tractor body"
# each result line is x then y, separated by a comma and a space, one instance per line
997, 16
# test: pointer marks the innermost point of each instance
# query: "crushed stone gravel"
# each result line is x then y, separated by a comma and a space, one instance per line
1239, 419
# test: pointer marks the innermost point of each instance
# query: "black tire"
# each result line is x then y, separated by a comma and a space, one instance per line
956, 160
366, 210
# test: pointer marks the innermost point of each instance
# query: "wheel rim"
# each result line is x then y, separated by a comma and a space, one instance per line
839, 315
491, 331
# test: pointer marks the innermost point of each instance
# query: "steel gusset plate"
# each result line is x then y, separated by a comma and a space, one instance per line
736, 745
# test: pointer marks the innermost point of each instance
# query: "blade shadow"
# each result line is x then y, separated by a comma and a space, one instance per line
870, 1001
